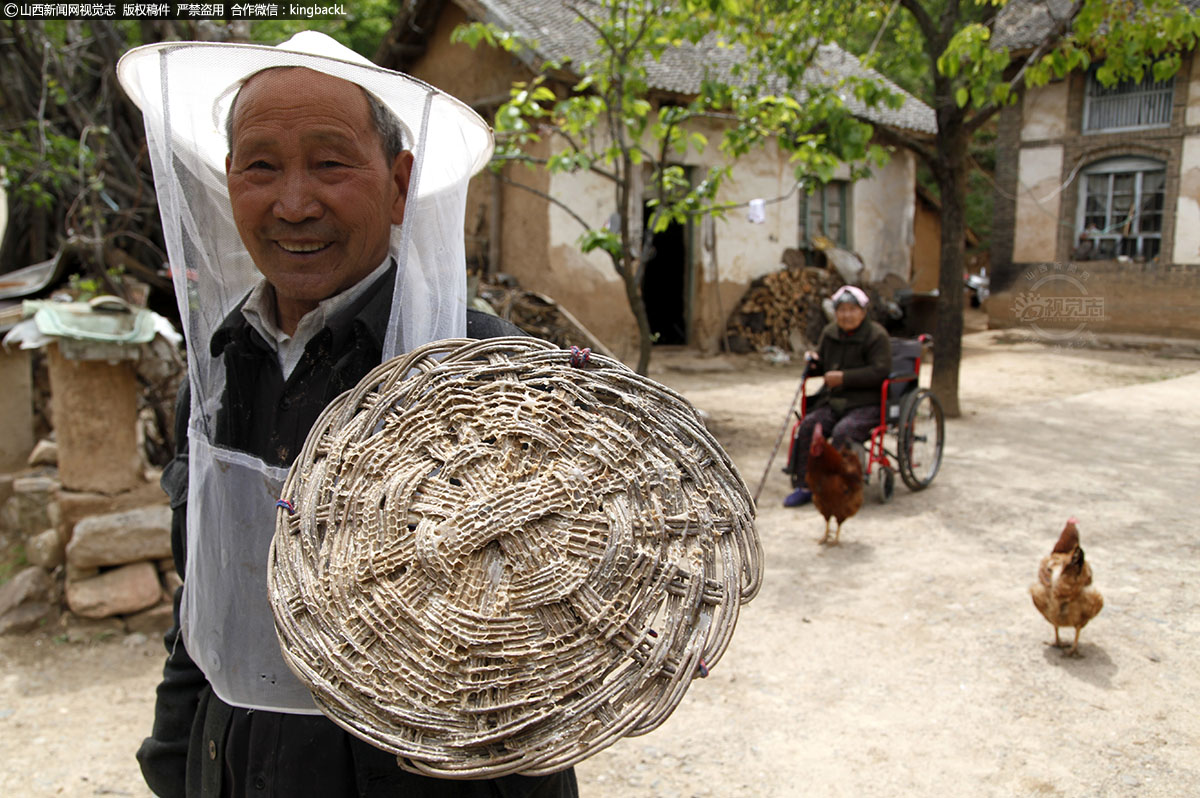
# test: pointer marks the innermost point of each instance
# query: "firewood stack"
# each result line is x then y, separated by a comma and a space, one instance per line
536, 314
781, 308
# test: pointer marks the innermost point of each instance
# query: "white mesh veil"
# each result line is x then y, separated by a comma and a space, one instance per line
185, 90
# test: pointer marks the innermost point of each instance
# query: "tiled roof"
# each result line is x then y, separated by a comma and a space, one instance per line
558, 33
1022, 24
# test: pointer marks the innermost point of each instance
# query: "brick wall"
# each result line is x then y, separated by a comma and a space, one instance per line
1004, 204
1133, 298
1157, 298
1161, 144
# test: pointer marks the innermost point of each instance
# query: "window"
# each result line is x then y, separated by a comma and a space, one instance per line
825, 212
1121, 207
1127, 105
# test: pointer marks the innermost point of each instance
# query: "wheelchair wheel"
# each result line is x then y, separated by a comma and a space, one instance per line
922, 427
887, 484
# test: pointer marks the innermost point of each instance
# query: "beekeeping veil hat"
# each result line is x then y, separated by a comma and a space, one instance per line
186, 91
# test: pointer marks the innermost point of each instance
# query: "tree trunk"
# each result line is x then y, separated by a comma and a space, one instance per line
633, 290
951, 173
636, 242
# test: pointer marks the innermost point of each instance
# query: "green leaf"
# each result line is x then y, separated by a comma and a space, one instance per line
605, 240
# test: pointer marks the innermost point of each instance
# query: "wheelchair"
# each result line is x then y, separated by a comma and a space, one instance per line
909, 415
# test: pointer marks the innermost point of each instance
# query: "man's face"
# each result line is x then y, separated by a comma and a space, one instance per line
849, 316
314, 197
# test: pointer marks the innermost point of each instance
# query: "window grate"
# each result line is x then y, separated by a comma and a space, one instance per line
1127, 105
1122, 209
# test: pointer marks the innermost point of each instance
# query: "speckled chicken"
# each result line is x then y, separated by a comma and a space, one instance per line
1063, 592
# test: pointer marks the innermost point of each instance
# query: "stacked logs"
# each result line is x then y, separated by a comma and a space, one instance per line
536, 314
781, 309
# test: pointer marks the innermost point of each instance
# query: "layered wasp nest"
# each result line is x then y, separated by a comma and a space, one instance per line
498, 556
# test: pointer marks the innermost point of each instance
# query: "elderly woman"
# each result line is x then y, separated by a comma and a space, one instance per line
855, 356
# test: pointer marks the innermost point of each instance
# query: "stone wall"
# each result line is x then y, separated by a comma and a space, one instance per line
94, 561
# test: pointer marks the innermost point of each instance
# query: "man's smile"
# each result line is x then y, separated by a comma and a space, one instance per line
302, 247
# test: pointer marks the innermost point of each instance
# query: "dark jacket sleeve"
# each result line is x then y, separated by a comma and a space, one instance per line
816, 366
878, 352
163, 755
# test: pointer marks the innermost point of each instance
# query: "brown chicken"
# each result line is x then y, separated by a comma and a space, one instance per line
835, 478
1063, 593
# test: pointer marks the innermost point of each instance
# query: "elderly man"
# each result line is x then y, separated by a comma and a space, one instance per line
320, 186
855, 356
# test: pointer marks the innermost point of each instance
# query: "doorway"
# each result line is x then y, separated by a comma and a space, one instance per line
665, 284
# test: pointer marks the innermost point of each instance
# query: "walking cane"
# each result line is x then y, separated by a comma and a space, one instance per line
786, 421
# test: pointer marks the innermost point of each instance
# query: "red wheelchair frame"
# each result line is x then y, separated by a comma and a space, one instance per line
911, 412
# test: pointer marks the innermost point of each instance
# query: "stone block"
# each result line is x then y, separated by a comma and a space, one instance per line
77, 574
45, 453
32, 507
152, 622
90, 630
30, 585
121, 591
36, 484
16, 408
95, 413
47, 549
121, 538
74, 506
26, 618
6, 488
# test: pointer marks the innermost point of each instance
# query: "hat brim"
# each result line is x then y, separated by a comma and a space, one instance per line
189, 88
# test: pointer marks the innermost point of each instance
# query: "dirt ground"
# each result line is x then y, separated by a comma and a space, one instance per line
907, 661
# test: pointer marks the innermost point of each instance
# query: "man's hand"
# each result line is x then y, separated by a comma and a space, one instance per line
833, 379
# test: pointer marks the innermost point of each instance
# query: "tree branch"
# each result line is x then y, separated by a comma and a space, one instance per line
1052, 37
922, 149
574, 145
551, 199
637, 38
660, 191
882, 27
929, 29
730, 206
531, 161
981, 117
586, 20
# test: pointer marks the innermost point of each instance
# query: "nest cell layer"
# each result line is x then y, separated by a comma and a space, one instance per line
500, 561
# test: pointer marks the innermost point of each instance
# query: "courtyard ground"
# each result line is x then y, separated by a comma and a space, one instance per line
907, 661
